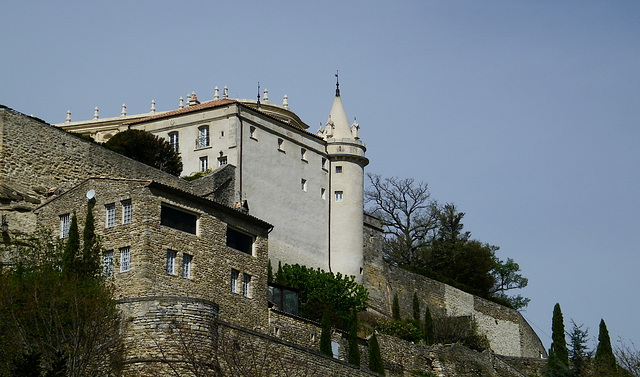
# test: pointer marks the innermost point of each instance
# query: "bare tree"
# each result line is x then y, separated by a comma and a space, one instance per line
628, 357
408, 215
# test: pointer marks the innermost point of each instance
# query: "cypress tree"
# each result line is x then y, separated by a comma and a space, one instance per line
604, 361
375, 359
269, 272
325, 336
354, 350
71, 247
395, 309
416, 307
428, 327
90, 245
558, 361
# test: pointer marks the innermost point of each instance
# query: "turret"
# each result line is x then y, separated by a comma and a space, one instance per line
346, 181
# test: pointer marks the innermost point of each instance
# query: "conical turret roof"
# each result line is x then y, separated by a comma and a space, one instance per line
337, 116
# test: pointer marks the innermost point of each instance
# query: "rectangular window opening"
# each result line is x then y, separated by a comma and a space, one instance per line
177, 219
303, 154
339, 196
234, 281
204, 163
186, 265
303, 184
338, 169
246, 285
171, 262
239, 241
125, 259
173, 141
111, 215
203, 137
107, 263
126, 212
65, 221
252, 132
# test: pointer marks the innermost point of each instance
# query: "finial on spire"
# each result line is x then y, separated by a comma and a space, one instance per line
95, 113
285, 101
124, 110
266, 95
337, 85
216, 93
68, 116
181, 104
153, 106
258, 94
225, 92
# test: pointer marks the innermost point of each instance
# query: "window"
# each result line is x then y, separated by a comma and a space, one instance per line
323, 193
285, 299
303, 154
221, 134
173, 141
111, 215
234, 281
65, 220
204, 163
186, 266
324, 163
222, 160
125, 259
252, 133
126, 211
239, 241
303, 184
339, 196
338, 169
177, 219
171, 262
107, 263
280, 145
203, 137
246, 285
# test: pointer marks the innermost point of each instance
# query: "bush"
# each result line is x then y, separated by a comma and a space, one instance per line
408, 330
148, 149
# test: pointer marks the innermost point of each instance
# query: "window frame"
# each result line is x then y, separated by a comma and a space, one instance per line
110, 212
107, 263
204, 137
238, 240
203, 163
127, 211
235, 274
125, 259
65, 225
174, 141
246, 285
171, 262
187, 261
338, 196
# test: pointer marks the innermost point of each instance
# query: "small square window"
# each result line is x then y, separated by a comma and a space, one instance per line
338, 169
303, 184
339, 196
111, 215
125, 259
171, 262
234, 281
126, 212
222, 160
186, 265
65, 221
246, 285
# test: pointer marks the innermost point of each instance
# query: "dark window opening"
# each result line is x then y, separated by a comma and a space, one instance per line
239, 241
283, 298
177, 219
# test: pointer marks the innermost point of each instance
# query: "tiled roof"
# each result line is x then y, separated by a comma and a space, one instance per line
187, 109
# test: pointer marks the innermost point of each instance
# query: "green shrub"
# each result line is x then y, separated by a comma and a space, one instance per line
408, 330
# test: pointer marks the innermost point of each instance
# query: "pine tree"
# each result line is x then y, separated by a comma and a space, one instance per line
416, 307
395, 309
578, 353
604, 361
428, 327
558, 361
375, 359
354, 349
325, 335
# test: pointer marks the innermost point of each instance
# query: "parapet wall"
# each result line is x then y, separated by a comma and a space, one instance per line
507, 331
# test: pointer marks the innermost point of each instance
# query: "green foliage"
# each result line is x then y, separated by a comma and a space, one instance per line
353, 349
323, 291
197, 175
71, 247
325, 335
558, 361
408, 330
90, 246
579, 355
507, 277
55, 321
269, 272
395, 308
375, 359
416, 307
147, 148
604, 361
428, 327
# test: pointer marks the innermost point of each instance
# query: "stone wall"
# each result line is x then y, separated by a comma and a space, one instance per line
507, 331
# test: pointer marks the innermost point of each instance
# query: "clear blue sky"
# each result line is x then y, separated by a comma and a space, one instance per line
524, 114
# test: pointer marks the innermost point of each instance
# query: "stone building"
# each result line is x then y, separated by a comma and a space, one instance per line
178, 250
308, 185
